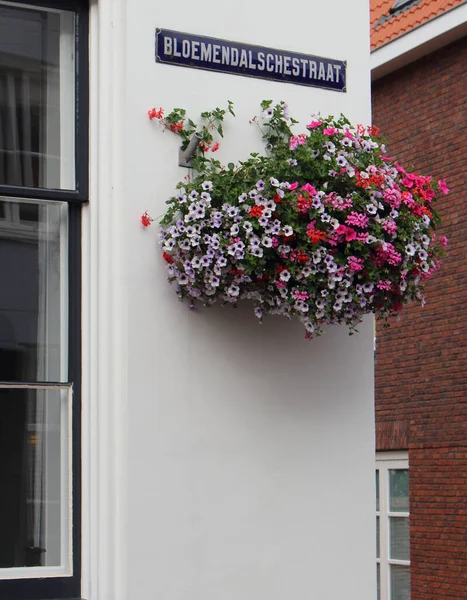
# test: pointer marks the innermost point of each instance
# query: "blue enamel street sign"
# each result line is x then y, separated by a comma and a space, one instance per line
212, 54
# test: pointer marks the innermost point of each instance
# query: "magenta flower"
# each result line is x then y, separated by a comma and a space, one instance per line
390, 226
314, 124
355, 264
443, 187
308, 188
357, 219
383, 285
297, 140
443, 240
408, 181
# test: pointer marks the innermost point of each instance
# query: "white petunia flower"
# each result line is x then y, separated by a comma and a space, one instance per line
423, 254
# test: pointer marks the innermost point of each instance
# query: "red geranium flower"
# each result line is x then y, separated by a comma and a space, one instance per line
146, 219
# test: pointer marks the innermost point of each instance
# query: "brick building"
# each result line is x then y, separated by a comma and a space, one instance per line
419, 90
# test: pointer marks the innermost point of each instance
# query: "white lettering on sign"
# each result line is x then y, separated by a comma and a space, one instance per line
296, 66
243, 59
278, 63
313, 67
322, 72
167, 45
186, 49
275, 62
261, 61
215, 54
234, 56
206, 52
269, 62
176, 52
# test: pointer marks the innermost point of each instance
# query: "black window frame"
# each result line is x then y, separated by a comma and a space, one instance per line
69, 587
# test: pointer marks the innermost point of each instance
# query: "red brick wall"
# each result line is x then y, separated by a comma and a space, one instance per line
421, 361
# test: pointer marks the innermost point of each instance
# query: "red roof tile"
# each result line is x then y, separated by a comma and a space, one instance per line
385, 30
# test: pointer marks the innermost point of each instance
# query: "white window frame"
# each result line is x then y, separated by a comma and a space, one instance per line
65, 568
385, 461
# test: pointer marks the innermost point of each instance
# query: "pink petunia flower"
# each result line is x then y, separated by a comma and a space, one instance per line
314, 124
443, 187
308, 188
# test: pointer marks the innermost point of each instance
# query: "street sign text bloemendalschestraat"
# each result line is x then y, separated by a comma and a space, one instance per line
212, 54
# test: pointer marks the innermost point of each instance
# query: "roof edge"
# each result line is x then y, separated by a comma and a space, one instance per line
419, 41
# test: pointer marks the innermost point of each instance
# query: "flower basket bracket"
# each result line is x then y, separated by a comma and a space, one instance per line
185, 157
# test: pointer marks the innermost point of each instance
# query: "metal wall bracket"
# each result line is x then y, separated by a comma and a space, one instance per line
186, 156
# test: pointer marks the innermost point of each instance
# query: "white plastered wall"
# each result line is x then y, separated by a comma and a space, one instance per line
221, 459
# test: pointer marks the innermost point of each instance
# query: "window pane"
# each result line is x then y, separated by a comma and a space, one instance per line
399, 490
400, 582
377, 490
37, 104
378, 582
33, 294
35, 496
400, 539
377, 537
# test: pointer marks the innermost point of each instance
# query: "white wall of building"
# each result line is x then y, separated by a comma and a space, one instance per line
222, 459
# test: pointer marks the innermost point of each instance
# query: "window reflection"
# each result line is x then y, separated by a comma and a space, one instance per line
36, 95
33, 294
33, 447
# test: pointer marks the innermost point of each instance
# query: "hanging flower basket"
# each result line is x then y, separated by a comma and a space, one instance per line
323, 227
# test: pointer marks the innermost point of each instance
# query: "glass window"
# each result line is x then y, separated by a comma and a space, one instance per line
35, 500
399, 538
398, 4
392, 527
37, 103
399, 490
34, 291
43, 178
